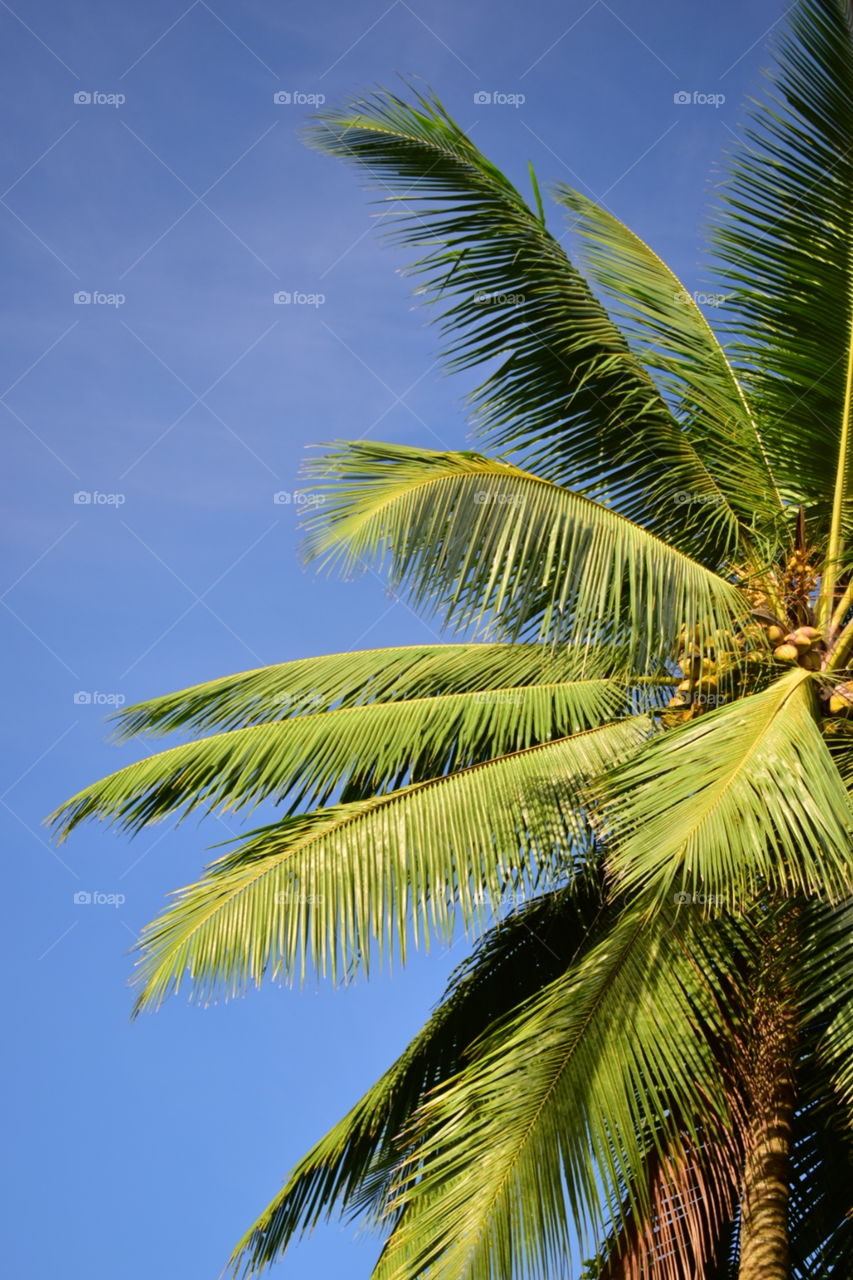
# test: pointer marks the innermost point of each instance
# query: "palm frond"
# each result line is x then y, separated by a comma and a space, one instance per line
351, 1166
269, 694
785, 246
480, 542
354, 752
672, 337
747, 796
568, 398
553, 1113
340, 884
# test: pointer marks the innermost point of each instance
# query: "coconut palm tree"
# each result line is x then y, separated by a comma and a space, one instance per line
628, 777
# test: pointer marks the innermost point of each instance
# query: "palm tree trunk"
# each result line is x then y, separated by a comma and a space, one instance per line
764, 1251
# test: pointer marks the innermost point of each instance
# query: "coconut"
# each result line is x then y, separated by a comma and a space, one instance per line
786, 653
800, 642
839, 706
775, 634
811, 661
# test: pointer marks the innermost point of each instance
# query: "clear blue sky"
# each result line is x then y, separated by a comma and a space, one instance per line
145, 1149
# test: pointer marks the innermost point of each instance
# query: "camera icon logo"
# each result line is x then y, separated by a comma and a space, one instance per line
681, 899
282, 98
481, 98
82, 498
82, 698
82, 898
682, 98
282, 298
82, 297
282, 498
82, 98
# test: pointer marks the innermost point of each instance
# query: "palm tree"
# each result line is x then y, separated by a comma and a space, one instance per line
630, 779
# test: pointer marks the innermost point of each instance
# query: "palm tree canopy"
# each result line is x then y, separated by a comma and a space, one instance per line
627, 774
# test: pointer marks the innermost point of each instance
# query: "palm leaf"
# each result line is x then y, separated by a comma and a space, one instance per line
672, 337
350, 1167
784, 245
285, 689
478, 540
553, 1114
568, 398
746, 796
356, 751
336, 885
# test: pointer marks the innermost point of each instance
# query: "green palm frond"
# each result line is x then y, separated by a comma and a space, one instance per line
568, 398
334, 886
785, 245
353, 1165
354, 752
672, 337
273, 693
746, 796
478, 541
555, 1112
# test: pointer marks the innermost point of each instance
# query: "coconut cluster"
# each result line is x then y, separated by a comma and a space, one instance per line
803, 646
709, 673
701, 667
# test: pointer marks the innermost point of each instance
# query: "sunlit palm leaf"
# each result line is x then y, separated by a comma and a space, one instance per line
285, 689
355, 751
746, 796
337, 885
479, 541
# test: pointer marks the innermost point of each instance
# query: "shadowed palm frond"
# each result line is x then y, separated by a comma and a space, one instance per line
353, 1166
556, 1112
784, 241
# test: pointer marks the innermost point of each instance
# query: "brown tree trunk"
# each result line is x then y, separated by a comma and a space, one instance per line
764, 1253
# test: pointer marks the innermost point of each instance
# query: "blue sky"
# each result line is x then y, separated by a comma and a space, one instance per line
175, 193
